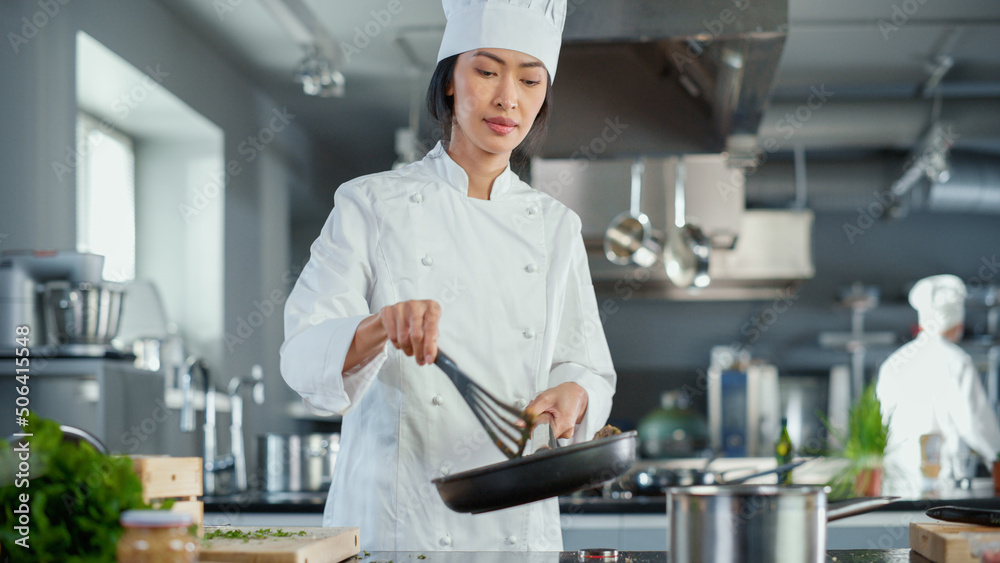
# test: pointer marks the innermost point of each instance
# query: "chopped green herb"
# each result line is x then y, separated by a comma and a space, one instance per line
259, 534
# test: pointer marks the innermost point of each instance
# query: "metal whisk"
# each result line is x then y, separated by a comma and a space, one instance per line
498, 418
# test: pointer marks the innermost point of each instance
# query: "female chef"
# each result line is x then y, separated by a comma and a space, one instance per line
930, 387
456, 251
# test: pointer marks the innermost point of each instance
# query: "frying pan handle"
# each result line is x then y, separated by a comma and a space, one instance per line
851, 507
785, 467
552, 443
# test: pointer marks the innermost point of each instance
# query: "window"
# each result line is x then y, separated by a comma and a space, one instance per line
105, 197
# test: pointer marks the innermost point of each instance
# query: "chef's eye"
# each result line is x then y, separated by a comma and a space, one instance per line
485, 72
532, 82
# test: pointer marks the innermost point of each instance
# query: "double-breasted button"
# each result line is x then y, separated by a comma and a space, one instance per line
438, 400
416, 198
427, 261
445, 470
531, 268
511, 540
532, 210
445, 541
529, 334
521, 403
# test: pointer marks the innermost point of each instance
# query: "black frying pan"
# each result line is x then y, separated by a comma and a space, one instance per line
548, 473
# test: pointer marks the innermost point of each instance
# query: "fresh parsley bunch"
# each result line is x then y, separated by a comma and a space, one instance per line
76, 497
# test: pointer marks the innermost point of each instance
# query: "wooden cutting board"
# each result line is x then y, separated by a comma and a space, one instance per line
318, 545
954, 543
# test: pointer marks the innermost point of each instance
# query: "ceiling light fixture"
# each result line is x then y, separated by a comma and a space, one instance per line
935, 74
930, 159
318, 71
319, 76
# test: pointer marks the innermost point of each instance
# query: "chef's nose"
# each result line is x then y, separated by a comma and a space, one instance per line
507, 94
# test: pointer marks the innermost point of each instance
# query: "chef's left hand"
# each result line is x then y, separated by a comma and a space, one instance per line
562, 407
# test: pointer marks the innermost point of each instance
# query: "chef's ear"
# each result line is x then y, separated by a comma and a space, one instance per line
449, 89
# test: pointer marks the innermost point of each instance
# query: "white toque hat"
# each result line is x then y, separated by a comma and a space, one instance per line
939, 301
533, 27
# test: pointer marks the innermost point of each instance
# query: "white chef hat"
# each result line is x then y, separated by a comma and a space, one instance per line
939, 301
533, 27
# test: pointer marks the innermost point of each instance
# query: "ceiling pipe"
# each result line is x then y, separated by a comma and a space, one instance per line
844, 185
875, 124
973, 186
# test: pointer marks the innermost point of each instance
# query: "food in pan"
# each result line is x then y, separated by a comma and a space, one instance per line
608, 430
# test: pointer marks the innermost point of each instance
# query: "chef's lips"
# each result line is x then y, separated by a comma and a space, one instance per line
501, 125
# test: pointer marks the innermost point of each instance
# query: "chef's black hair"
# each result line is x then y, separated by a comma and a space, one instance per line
442, 109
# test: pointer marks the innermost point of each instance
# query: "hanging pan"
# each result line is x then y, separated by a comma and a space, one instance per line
630, 238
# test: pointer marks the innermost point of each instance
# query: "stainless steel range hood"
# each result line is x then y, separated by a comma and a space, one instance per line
661, 77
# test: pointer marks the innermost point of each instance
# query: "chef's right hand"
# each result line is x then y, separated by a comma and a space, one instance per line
412, 326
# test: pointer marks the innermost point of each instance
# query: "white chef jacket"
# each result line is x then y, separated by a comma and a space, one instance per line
519, 315
931, 386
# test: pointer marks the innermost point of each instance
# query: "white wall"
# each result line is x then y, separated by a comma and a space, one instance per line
183, 251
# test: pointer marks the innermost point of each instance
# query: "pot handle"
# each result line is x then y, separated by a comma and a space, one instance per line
854, 506
784, 467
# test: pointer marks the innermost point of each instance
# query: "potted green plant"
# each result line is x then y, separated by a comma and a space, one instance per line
864, 445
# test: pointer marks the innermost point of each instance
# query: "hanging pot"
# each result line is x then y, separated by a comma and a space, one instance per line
687, 256
688, 250
630, 239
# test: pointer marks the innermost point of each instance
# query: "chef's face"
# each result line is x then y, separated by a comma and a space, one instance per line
497, 95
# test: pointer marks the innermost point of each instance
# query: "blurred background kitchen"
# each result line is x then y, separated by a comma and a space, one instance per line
799, 166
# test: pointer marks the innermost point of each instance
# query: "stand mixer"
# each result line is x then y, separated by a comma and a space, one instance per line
24, 276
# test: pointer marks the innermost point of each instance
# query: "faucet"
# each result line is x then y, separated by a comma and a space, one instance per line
236, 428
236, 459
187, 391
211, 465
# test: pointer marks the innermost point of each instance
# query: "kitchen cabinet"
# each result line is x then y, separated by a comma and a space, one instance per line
110, 398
